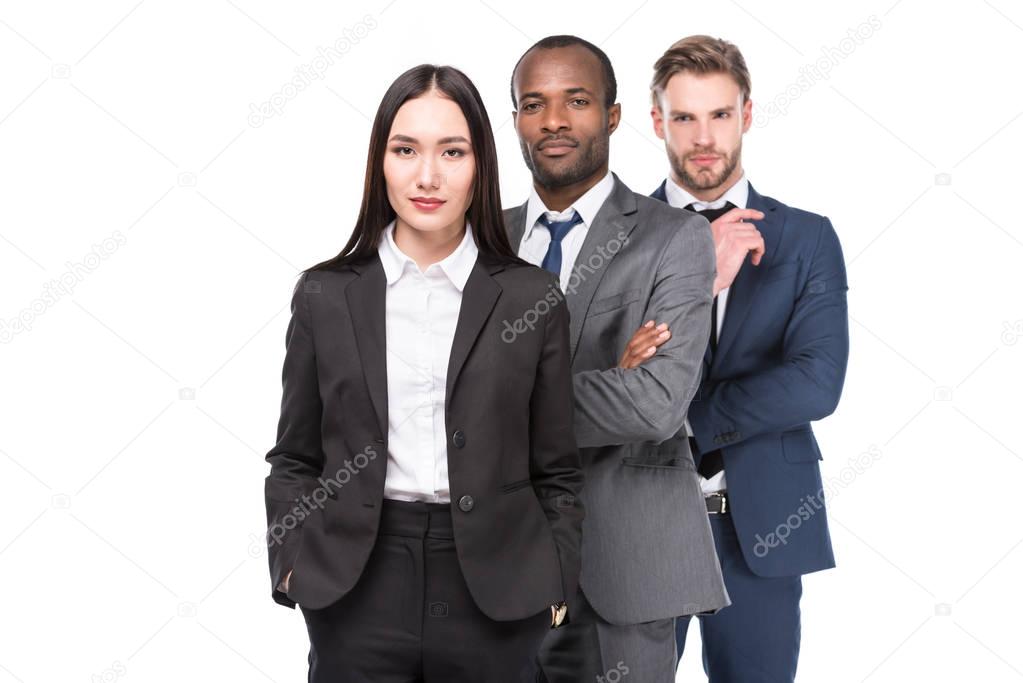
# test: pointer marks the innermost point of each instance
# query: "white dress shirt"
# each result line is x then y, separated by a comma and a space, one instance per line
678, 196
536, 238
421, 315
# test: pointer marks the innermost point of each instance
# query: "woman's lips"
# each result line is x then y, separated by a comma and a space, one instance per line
427, 204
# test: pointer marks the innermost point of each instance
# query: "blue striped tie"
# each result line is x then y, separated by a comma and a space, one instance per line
558, 230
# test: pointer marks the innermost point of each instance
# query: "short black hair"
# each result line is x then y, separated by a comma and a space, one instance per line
551, 42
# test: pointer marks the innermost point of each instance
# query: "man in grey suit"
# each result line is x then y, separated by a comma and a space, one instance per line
625, 262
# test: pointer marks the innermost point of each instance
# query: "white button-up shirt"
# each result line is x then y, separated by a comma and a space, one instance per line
421, 315
678, 196
536, 238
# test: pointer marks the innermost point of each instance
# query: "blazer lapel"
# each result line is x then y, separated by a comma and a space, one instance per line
661, 194
366, 297
479, 296
367, 307
613, 223
749, 278
516, 225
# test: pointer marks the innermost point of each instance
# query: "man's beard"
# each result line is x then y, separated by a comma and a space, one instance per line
591, 156
704, 180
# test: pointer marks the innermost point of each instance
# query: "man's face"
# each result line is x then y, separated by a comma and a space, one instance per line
701, 119
563, 127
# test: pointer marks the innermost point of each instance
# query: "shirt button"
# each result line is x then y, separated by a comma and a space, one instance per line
466, 503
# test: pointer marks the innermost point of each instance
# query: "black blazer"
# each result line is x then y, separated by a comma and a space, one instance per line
513, 466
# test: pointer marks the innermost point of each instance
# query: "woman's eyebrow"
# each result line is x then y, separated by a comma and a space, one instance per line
443, 141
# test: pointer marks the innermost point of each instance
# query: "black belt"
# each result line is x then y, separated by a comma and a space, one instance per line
717, 503
416, 519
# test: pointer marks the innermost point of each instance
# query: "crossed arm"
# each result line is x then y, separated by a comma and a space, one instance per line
649, 402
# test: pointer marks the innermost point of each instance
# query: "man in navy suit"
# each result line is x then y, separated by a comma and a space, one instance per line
776, 361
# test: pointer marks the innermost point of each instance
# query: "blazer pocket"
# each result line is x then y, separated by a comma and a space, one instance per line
610, 303
515, 485
669, 462
799, 446
780, 271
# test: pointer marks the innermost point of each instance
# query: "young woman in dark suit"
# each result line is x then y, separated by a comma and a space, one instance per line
422, 503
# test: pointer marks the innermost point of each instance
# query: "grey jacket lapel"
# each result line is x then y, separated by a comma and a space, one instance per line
611, 227
607, 235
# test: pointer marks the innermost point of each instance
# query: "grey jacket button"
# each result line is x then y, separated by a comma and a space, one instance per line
466, 503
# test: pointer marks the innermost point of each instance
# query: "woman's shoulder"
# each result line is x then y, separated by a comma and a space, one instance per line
525, 274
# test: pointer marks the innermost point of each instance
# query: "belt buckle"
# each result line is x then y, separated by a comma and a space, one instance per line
724, 503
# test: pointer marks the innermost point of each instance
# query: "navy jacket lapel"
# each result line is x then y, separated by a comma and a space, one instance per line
749, 278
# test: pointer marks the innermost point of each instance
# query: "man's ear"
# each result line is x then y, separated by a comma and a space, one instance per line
614, 117
747, 115
658, 121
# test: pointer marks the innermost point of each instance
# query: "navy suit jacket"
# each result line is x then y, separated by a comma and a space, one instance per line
780, 364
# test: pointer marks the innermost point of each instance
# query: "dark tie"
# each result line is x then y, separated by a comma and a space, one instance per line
558, 230
710, 463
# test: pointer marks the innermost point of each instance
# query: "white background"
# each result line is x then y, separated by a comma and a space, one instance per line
138, 407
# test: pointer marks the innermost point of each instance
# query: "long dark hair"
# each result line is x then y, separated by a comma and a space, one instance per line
484, 213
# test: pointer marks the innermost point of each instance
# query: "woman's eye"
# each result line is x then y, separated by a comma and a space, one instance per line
404, 151
455, 153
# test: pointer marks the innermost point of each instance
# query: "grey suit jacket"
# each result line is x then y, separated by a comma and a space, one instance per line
647, 549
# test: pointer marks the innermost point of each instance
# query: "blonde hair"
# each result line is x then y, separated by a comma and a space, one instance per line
700, 55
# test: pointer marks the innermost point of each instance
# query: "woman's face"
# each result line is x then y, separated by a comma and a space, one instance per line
429, 166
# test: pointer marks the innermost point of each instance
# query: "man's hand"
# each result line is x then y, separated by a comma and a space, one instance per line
287, 579
733, 239
644, 344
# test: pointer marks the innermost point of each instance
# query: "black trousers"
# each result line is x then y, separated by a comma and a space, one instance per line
410, 617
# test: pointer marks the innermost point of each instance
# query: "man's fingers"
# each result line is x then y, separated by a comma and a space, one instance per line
641, 340
737, 214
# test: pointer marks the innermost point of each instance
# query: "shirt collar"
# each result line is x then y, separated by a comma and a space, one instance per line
679, 197
456, 266
588, 205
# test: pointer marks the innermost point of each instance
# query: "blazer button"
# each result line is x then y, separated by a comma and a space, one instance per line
458, 438
466, 503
